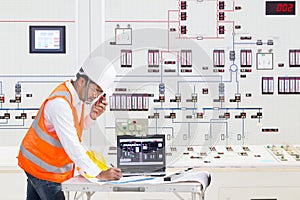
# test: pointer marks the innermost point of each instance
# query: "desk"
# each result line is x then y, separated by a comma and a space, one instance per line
80, 184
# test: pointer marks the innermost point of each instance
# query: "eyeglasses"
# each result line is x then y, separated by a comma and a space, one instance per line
96, 91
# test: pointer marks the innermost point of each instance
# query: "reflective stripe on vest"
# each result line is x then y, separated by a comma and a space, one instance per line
44, 136
42, 164
60, 93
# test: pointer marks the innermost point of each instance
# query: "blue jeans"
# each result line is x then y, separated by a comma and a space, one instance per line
38, 189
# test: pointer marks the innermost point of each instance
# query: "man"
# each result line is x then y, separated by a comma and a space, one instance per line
52, 144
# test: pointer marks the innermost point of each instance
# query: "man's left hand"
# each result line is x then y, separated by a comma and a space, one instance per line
98, 108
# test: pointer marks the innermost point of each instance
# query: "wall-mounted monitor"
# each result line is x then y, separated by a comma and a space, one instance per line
47, 39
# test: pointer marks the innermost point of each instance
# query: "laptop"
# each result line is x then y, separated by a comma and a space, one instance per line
141, 155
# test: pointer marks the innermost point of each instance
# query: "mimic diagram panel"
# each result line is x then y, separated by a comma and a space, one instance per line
219, 78
216, 77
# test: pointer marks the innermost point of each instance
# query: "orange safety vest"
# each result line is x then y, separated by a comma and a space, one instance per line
41, 153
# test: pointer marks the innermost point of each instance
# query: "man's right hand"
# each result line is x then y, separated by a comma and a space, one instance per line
110, 174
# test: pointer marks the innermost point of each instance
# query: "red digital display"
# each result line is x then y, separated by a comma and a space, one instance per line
280, 7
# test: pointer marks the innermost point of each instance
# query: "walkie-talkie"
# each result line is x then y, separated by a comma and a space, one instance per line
101, 98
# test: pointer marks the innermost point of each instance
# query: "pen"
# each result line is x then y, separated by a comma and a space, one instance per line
176, 175
112, 165
172, 176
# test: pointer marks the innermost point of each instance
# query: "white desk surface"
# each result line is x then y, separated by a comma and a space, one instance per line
81, 184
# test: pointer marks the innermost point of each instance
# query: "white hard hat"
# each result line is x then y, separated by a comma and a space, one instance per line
101, 71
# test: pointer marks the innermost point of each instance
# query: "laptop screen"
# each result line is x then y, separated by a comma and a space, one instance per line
143, 154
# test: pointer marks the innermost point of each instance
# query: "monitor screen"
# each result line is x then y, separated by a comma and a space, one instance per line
145, 152
47, 39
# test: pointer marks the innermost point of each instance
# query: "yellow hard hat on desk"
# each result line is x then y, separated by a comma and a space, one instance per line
98, 159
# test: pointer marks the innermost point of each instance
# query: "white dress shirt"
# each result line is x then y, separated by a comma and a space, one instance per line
58, 116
